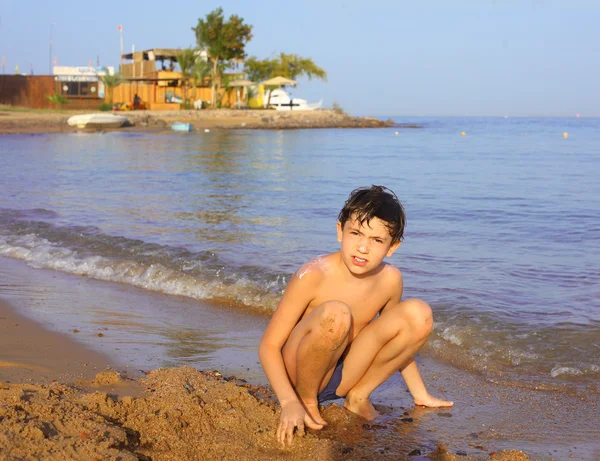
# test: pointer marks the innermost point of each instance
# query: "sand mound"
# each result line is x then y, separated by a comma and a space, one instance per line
183, 414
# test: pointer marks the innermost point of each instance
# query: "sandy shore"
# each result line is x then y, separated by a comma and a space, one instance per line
52, 407
46, 121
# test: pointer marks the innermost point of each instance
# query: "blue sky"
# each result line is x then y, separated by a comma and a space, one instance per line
475, 57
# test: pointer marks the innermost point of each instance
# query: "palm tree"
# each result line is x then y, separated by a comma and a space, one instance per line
111, 82
200, 71
186, 59
293, 66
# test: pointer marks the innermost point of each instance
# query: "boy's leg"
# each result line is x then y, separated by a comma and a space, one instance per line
383, 347
313, 349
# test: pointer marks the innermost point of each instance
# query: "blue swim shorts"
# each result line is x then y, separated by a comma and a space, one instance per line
336, 378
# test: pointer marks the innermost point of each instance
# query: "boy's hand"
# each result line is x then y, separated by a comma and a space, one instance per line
293, 415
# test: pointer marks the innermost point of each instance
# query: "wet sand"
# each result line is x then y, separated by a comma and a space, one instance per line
48, 121
31, 353
178, 412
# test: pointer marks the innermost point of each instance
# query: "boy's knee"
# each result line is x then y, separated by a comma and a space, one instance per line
419, 316
335, 322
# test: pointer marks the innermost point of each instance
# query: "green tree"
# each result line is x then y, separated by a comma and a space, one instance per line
186, 60
111, 82
200, 71
258, 70
286, 65
294, 66
224, 41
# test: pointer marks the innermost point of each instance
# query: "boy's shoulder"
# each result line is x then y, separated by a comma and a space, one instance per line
390, 273
316, 268
324, 266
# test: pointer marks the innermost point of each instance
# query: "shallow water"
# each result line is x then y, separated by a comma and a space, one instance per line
503, 236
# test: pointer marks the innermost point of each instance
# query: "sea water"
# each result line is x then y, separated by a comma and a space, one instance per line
502, 239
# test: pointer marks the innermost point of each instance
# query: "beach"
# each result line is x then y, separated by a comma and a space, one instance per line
139, 269
71, 393
55, 121
62, 400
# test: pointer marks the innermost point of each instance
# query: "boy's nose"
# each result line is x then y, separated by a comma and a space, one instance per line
362, 248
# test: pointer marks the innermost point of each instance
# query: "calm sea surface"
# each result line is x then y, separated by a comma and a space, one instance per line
503, 236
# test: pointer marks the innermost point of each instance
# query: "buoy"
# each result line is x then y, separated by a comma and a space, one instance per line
577, 116
463, 133
206, 130
395, 133
565, 135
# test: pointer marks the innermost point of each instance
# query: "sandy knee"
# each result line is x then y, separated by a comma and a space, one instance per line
335, 322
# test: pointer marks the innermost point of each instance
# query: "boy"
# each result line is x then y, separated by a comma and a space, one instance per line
326, 339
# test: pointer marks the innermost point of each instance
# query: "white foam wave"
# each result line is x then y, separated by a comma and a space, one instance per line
560, 370
40, 253
451, 334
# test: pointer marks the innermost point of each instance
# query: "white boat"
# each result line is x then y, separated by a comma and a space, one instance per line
280, 100
99, 120
180, 126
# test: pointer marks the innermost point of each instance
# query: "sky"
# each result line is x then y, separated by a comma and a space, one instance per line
382, 58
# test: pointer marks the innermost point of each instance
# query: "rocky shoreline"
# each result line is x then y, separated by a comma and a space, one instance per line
258, 119
32, 121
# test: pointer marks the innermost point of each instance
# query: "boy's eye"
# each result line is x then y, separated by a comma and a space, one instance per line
379, 240
353, 233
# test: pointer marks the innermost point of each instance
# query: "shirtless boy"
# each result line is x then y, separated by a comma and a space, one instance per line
341, 328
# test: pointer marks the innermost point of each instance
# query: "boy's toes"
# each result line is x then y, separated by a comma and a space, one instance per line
434, 402
313, 414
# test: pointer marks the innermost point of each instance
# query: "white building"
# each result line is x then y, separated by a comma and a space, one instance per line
81, 82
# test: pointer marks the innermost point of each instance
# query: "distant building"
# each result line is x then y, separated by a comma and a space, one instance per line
81, 82
154, 76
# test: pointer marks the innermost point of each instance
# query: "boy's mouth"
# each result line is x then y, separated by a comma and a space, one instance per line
359, 261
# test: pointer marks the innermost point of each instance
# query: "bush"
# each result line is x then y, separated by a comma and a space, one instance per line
105, 107
337, 108
57, 99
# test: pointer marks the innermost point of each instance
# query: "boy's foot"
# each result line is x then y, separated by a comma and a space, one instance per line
433, 402
313, 411
361, 406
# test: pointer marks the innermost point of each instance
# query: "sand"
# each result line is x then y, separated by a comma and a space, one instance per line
60, 400
29, 121
143, 330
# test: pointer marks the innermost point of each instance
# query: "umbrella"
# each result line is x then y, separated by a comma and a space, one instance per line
279, 81
240, 83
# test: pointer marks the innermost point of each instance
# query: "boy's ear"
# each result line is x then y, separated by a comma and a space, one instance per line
393, 248
339, 231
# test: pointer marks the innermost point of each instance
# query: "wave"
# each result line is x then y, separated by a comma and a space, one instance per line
86, 251
476, 341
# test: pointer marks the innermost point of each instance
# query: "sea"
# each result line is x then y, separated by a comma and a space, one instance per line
502, 236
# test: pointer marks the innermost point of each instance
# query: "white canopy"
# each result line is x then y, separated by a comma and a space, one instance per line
279, 81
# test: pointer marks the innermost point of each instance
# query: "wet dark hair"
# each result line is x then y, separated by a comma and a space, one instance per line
366, 203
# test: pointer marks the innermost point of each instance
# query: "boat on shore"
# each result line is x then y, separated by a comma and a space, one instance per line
280, 100
98, 121
181, 126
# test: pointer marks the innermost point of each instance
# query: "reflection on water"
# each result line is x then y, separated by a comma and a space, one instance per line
503, 236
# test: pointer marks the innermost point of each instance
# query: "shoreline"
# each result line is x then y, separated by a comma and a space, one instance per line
158, 409
17, 121
169, 414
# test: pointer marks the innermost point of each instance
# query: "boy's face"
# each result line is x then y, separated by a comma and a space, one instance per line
364, 246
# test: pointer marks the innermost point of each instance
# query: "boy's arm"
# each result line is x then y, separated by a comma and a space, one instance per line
296, 298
